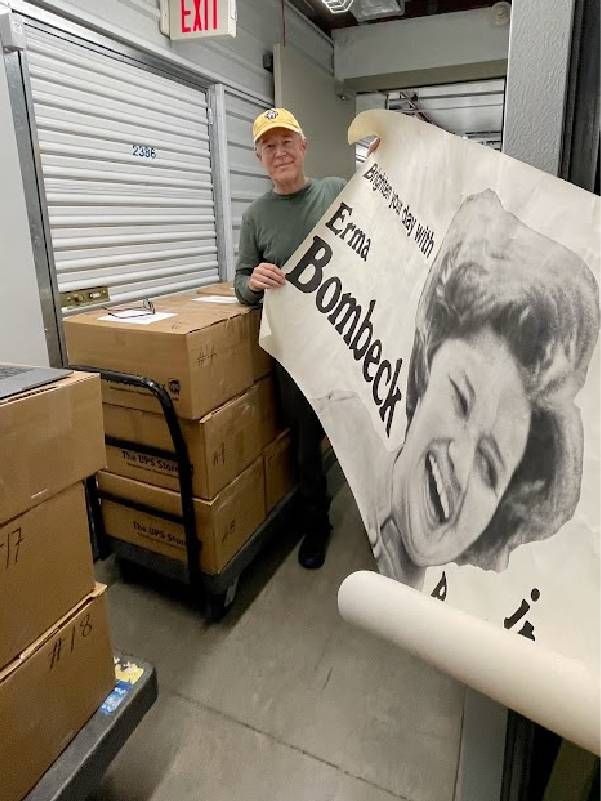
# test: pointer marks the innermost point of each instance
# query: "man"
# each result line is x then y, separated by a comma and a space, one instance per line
272, 229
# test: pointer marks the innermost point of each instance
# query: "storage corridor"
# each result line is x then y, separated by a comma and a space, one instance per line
281, 701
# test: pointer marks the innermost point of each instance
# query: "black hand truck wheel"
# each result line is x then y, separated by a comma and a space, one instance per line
216, 604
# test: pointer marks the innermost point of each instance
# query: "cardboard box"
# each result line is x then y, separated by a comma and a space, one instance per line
51, 691
200, 353
45, 569
270, 423
51, 437
223, 524
261, 360
280, 470
220, 445
224, 289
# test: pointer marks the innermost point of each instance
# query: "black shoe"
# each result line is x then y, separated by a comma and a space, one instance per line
313, 549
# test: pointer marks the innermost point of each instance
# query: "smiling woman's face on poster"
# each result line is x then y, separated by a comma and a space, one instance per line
505, 329
465, 441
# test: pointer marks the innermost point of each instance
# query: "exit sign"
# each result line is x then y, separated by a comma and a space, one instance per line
201, 19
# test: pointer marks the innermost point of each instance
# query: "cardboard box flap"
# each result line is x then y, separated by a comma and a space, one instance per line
188, 317
164, 500
227, 406
28, 652
224, 289
280, 443
137, 425
56, 386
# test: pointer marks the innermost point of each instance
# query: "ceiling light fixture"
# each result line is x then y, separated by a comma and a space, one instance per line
374, 10
338, 6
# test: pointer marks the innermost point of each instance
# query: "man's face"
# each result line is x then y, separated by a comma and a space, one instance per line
282, 153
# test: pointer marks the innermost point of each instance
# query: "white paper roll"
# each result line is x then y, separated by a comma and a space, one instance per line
557, 692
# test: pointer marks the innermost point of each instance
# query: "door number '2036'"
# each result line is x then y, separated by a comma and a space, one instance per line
144, 151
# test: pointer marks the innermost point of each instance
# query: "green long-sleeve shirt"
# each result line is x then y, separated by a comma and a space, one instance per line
275, 225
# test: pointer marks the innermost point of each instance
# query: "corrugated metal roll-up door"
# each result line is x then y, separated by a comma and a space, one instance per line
248, 180
126, 163
361, 149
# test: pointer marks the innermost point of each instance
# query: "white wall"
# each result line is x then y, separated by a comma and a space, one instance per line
367, 102
22, 338
421, 51
239, 60
325, 118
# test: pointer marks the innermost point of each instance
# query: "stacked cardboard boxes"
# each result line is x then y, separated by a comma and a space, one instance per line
278, 462
56, 662
203, 349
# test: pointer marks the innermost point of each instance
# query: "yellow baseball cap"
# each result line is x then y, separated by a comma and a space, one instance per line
275, 118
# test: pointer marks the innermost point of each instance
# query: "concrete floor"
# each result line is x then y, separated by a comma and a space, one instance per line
281, 701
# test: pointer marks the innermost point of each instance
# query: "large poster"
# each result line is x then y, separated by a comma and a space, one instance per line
443, 321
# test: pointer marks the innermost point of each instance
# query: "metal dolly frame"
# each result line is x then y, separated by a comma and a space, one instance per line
79, 770
219, 589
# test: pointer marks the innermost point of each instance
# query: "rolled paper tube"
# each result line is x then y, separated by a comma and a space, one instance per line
551, 689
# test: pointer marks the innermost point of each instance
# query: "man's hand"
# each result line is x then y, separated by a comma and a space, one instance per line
266, 276
374, 145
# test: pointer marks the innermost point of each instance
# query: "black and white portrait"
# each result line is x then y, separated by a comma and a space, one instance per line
492, 459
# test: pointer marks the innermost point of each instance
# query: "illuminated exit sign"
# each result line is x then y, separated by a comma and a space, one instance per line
200, 19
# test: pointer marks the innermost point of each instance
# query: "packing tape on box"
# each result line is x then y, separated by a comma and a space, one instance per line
551, 689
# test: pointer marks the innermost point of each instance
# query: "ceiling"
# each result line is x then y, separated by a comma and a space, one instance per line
472, 110
318, 13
